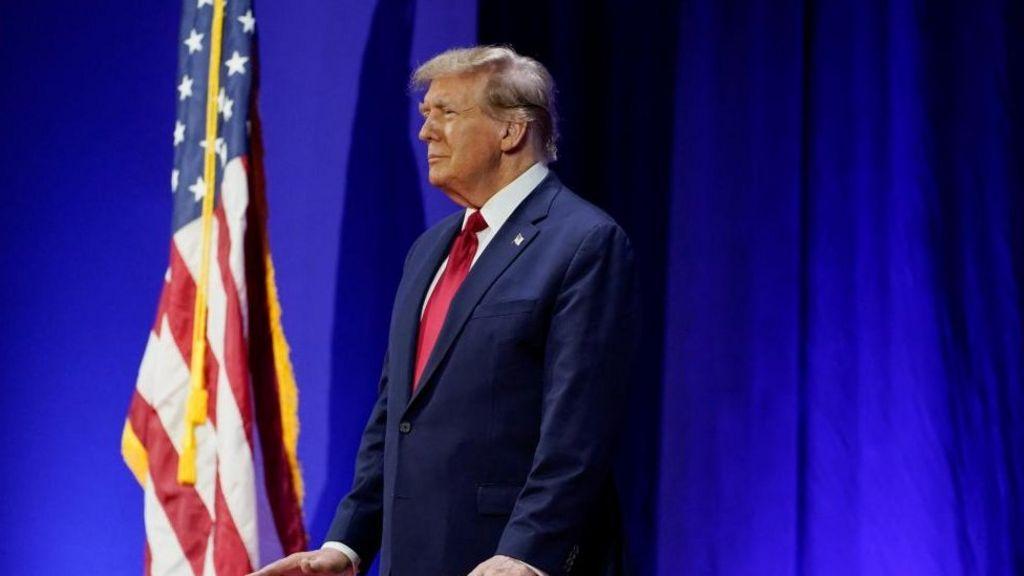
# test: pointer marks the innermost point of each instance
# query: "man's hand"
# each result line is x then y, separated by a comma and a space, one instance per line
324, 561
502, 566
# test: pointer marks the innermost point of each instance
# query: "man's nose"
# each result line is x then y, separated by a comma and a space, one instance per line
428, 131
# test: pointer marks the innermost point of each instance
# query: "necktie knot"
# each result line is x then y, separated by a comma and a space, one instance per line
474, 223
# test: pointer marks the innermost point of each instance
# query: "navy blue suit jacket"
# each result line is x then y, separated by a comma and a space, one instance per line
506, 446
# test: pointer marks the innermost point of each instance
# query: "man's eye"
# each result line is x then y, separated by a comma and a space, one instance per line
449, 113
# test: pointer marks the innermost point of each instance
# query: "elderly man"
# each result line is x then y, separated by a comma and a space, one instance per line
489, 449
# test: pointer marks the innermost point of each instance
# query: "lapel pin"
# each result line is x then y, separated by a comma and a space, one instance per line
519, 239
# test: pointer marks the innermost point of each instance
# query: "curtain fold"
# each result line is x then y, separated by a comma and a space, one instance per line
847, 204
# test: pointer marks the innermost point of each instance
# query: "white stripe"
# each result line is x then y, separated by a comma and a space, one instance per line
189, 242
216, 308
235, 199
206, 465
237, 475
168, 558
163, 381
208, 566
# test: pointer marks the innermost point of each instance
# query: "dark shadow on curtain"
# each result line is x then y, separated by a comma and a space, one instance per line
727, 496
383, 214
612, 63
974, 82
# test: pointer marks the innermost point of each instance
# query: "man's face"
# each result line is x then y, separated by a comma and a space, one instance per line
463, 143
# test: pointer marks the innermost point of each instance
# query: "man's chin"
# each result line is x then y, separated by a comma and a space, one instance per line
443, 183
437, 178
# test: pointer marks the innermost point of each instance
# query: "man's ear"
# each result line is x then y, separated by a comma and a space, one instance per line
513, 136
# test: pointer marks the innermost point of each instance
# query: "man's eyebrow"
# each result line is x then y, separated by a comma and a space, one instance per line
436, 103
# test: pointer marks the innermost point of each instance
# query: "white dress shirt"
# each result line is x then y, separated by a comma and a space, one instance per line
495, 211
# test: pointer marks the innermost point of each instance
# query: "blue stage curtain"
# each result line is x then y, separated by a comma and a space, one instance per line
829, 206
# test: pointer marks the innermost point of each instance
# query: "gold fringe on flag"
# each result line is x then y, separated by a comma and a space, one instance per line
288, 393
134, 454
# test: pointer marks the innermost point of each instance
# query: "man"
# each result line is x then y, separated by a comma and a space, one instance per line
489, 449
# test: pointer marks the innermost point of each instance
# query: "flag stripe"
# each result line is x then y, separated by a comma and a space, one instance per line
183, 509
163, 385
230, 553
235, 353
167, 558
177, 298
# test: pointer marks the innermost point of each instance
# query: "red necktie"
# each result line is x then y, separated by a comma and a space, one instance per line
459, 260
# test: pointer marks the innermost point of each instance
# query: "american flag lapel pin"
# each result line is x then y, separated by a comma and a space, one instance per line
519, 239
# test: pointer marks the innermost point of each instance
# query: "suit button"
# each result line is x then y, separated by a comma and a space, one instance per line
405, 427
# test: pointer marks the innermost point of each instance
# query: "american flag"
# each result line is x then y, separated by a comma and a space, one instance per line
215, 369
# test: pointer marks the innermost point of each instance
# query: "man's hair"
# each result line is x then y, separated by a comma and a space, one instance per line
519, 89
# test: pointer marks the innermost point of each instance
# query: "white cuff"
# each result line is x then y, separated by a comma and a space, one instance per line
352, 556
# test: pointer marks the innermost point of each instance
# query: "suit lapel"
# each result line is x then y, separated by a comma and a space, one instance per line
407, 315
512, 240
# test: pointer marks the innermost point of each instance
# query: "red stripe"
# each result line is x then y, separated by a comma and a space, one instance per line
177, 303
161, 307
184, 509
229, 553
235, 353
147, 561
212, 379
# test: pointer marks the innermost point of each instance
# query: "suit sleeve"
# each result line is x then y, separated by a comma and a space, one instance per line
358, 521
592, 335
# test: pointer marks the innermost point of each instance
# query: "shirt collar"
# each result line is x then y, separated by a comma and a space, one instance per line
499, 207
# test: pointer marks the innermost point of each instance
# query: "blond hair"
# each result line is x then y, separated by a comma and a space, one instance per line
519, 88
